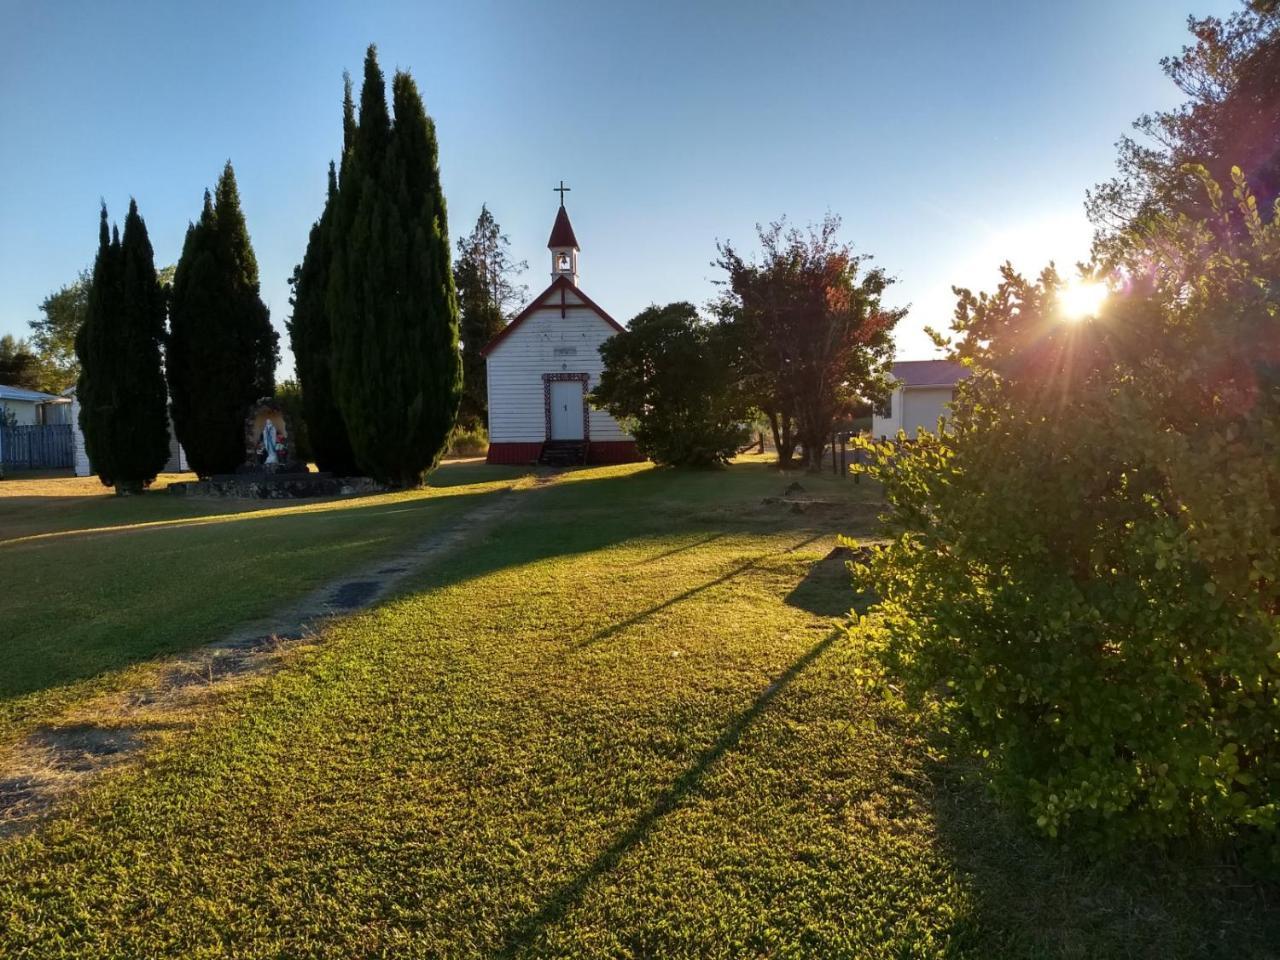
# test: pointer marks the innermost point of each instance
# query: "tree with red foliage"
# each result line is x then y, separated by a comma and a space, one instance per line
812, 338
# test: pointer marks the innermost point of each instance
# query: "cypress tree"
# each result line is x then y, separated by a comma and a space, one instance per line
396, 368
222, 349
121, 385
311, 341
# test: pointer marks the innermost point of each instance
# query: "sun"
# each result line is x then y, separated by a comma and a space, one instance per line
1078, 299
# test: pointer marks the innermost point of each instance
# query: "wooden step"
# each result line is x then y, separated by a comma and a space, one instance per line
563, 453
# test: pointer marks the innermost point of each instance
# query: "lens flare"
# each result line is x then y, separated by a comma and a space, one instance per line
1078, 299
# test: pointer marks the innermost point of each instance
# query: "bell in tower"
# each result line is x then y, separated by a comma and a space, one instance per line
563, 244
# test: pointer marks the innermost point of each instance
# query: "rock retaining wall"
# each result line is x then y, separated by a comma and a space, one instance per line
275, 488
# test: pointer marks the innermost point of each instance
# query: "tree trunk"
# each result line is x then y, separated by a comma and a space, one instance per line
783, 441
813, 453
815, 433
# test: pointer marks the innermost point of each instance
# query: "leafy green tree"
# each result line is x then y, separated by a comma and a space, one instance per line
289, 395
312, 342
668, 377
222, 350
19, 366
397, 372
121, 385
487, 297
1230, 76
1085, 568
53, 335
812, 338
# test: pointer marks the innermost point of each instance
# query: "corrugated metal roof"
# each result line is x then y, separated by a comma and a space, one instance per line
929, 373
18, 393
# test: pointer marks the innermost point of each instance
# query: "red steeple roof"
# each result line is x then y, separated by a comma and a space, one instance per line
562, 232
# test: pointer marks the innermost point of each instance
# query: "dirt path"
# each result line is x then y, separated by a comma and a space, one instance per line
106, 731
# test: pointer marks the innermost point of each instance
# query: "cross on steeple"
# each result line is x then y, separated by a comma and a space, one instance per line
562, 190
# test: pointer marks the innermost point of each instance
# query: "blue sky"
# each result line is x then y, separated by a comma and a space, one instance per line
949, 136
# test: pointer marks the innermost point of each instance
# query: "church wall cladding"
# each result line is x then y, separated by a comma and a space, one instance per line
546, 343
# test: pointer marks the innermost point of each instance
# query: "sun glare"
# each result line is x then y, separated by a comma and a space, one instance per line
1081, 298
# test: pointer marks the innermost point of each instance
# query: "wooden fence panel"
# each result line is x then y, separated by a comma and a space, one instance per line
40, 447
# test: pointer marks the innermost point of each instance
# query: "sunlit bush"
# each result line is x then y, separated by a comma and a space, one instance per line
1085, 572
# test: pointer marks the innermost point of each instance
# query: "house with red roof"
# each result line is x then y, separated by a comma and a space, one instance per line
543, 365
922, 390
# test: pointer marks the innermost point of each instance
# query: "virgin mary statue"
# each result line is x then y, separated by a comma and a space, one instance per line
269, 442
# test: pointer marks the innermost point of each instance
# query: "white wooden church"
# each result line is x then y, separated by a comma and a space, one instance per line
542, 366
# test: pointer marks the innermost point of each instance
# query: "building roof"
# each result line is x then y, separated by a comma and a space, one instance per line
929, 373
562, 231
20, 393
561, 282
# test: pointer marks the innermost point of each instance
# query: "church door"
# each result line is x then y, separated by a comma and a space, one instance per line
566, 409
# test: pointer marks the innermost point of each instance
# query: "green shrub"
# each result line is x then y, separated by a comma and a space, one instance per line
470, 441
669, 381
290, 396
1085, 573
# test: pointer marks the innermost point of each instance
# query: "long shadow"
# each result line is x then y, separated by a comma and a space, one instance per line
555, 520
268, 510
581, 517
46, 641
160, 510
687, 783
1029, 896
87, 650
829, 589
681, 549
742, 568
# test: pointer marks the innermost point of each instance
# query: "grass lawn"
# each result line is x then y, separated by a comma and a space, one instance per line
94, 583
627, 723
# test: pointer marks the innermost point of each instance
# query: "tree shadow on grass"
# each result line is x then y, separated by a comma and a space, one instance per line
563, 899
701, 542
828, 589
37, 518
172, 562
740, 569
183, 585
1033, 897
164, 572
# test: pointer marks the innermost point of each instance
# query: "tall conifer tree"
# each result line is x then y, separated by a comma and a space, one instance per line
121, 385
311, 341
393, 309
487, 294
222, 349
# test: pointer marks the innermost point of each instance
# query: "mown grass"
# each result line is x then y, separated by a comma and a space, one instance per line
94, 583
626, 724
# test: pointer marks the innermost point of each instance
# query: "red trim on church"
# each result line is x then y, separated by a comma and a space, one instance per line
521, 453
613, 451
559, 283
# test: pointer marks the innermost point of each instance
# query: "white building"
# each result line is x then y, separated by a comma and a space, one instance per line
177, 462
29, 408
923, 390
542, 366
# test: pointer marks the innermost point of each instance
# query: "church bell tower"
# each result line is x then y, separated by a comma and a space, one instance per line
563, 244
